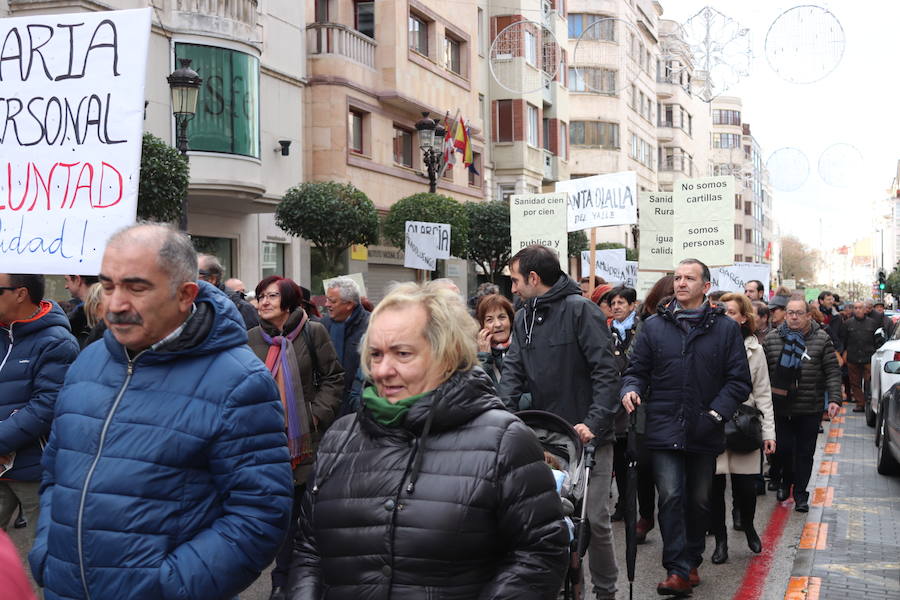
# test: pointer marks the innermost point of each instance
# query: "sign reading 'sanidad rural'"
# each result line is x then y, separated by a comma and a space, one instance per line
704, 220
71, 118
539, 219
657, 218
601, 200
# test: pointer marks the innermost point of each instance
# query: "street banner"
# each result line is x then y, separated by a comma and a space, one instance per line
656, 223
609, 264
540, 219
704, 220
631, 274
735, 277
425, 243
356, 277
72, 108
601, 200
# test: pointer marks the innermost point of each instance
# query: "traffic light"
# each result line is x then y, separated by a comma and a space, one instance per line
881, 280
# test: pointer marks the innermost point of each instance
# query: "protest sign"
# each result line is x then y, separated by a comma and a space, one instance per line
425, 243
601, 200
704, 220
631, 274
540, 219
609, 264
73, 108
734, 278
356, 277
656, 223
645, 282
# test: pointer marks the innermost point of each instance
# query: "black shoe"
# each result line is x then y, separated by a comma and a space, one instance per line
736, 519
720, 554
772, 485
760, 487
821, 429
859, 409
618, 515
784, 492
277, 594
753, 541
801, 504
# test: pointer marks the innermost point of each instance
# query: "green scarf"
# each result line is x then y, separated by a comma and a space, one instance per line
384, 411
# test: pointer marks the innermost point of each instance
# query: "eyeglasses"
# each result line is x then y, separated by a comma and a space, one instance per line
270, 296
795, 313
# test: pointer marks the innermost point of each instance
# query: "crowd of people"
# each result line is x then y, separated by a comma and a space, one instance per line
170, 435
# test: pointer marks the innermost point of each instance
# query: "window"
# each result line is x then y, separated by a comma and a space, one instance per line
418, 34
452, 55
355, 131
505, 191
322, 11
505, 120
227, 118
221, 248
481, 41
641, 151
726, 117
738, 232
581, 23
484, 118
530, 48
594, 133
738, 258
364, 17
738, 202
272, 259
748, 236
475, 179
666, 116
403, 147
726, 140
748, 208
592, 79
563, 141
546, 133
533, 126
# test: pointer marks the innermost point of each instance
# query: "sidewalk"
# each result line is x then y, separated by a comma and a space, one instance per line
850, 544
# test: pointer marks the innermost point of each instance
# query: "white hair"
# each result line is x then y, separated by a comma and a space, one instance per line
347, 289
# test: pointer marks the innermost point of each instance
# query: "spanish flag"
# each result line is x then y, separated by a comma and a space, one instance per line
463, 144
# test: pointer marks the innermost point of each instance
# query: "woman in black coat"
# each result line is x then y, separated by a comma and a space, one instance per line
432, 489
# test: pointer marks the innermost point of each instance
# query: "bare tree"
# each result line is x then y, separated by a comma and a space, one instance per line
798, 261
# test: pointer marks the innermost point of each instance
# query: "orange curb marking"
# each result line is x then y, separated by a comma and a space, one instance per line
832, 448
823, 496
835, 432
843, 410
814, 536
803, 588
828, 467
838, 420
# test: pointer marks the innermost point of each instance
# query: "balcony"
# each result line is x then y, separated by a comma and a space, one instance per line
339, 40
242, 11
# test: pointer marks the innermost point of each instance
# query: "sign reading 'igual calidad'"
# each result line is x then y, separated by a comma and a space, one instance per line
657, 217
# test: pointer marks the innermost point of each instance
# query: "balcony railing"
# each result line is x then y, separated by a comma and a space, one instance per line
242, 11
677, 163
340, 40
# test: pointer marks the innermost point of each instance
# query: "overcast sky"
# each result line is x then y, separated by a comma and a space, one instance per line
855, 104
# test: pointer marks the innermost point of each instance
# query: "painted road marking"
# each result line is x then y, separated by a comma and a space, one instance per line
823, 496
843, 410
835, 432
837, 420
757, 572
803, 588
828, 467
860, 571
814, 536
832, 448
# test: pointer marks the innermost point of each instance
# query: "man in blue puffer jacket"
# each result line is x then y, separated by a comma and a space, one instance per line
36, 349
689, 370
167, 472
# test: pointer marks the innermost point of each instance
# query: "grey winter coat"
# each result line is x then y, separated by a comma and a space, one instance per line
561, 352
819, 373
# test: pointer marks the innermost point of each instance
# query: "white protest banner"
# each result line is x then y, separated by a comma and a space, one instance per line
631, 274
609, 264
425, 243
735, 277
356, 277
704, 220
656, 221
72, 104
645, 282
601, 200
540, 219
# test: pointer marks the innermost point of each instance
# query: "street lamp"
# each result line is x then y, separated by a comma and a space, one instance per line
184, 84
430, 131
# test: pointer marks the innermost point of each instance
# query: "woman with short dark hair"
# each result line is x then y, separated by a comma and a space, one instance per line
494, 314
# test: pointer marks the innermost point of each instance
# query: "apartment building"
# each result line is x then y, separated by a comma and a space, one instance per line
373, 69
734, 151
253, 71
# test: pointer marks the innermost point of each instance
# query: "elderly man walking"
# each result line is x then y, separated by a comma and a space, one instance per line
858, 338
689, 371
167, 473
346, 323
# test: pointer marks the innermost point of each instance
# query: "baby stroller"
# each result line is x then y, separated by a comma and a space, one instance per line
559, 439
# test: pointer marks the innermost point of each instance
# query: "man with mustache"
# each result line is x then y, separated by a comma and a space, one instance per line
167, 473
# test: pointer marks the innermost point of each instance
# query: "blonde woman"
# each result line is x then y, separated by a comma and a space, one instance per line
93, 313
743, 466
432, 489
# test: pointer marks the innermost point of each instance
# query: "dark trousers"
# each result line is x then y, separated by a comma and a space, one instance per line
683, 482
743, 498
796, 437
645, 492
859, 375
283, 558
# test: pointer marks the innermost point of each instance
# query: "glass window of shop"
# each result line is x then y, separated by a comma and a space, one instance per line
272, 262
227, 118
221, 248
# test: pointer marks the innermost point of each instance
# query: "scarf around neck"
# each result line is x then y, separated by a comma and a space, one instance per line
626, 324
281, 360
389, 414
786, 377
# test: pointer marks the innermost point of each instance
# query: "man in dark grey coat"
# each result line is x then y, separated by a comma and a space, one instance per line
561, 353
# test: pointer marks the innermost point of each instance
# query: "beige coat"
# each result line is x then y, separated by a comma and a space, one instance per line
761, 397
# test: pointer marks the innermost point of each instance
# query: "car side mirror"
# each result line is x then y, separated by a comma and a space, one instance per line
892, 366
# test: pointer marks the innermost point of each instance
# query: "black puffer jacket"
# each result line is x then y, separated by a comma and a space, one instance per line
456, 504
859, 338
818, 374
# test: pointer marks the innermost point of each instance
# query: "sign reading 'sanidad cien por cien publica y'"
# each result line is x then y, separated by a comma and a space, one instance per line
539, 219
71, 119
704, 220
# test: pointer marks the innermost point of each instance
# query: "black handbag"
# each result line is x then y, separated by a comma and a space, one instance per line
743, 433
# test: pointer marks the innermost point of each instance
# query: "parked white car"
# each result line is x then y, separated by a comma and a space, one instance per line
882, 380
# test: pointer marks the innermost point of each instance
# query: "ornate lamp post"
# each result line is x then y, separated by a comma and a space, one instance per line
430, 132
184, 84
